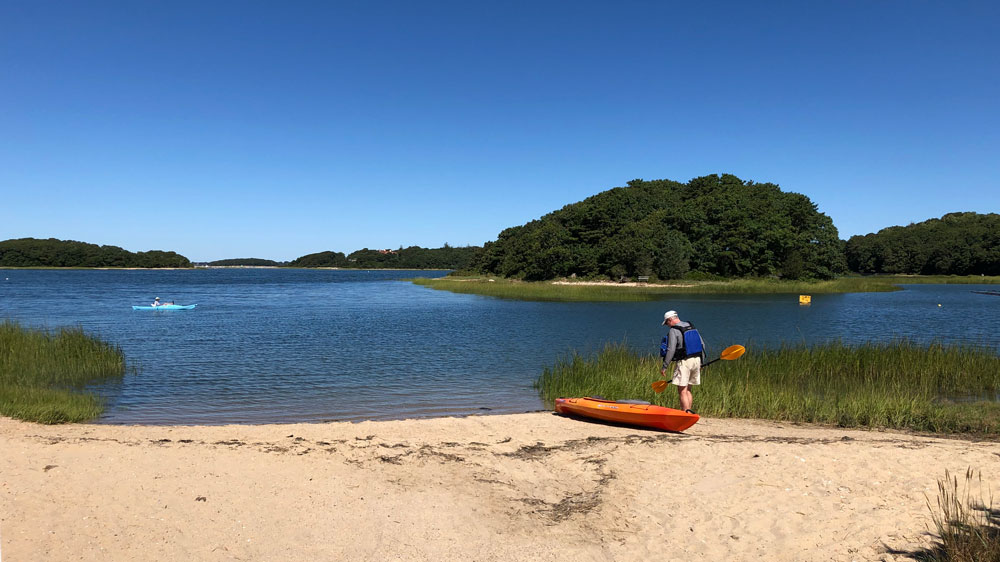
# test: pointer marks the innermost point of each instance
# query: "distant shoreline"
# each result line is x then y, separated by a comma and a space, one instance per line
567, 290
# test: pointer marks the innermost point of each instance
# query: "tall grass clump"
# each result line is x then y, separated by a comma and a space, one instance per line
900, 384
43, 374
967, 525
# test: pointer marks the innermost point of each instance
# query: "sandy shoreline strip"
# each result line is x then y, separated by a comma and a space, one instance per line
621, 284
509, 487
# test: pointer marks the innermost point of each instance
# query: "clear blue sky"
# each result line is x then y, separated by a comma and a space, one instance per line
276, 129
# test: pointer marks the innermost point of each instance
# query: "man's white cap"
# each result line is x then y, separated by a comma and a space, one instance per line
668, 315
156, 299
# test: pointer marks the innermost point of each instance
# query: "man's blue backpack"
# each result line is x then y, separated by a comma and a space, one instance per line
691, 340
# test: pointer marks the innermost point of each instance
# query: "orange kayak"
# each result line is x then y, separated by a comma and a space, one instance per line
627, 412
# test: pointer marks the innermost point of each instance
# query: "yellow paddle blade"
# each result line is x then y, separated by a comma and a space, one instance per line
658, 386
733, 352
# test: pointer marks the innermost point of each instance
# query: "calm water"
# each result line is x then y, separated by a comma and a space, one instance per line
268, 345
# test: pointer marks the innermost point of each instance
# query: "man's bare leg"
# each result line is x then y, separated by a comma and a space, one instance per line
684, 393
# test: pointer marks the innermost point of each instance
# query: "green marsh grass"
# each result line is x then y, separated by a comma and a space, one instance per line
43, 374
941, 279
579, 291
902, 385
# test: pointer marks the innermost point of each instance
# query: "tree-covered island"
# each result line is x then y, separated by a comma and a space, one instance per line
713, 226
34, 252
718, 234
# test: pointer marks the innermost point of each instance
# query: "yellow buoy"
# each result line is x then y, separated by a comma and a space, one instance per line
805, 299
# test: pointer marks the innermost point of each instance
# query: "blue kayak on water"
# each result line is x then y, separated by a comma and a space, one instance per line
166, 307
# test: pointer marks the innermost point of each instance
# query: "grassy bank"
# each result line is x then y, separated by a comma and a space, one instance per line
42, 374
902, 385
580, 291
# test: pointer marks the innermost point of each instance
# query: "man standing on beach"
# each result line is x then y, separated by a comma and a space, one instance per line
684, 344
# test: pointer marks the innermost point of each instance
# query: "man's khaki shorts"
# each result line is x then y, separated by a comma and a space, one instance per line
687, 372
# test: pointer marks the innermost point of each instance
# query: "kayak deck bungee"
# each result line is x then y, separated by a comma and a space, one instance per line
166, 307
631, 412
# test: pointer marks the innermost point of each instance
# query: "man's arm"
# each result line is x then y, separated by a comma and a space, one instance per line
671, 349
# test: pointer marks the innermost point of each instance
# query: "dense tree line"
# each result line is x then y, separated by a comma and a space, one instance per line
955, 244
715, 225
414, 257
252, 262
712, 225
33, 252
321, 259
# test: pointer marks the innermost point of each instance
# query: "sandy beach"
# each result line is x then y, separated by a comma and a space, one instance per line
533, 486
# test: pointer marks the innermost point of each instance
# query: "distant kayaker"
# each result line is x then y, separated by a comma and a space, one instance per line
685, 346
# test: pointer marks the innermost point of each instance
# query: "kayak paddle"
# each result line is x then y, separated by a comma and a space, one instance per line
730, 353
